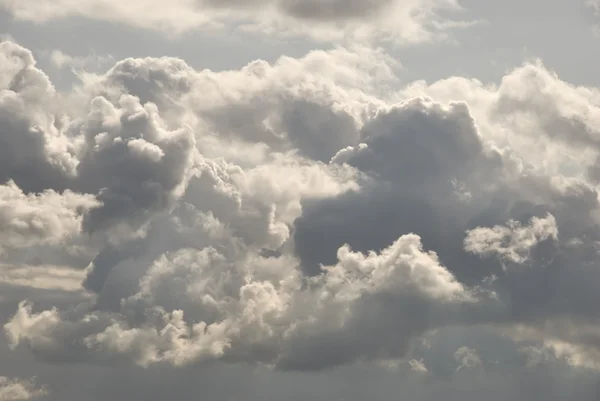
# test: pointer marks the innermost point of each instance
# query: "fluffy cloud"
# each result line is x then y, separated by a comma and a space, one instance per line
292, 215
455, 174
286, 105
409, 20
131, 161
34, 153
467, 358
240, 313
417, 366
512, 242
17, 390
48, 218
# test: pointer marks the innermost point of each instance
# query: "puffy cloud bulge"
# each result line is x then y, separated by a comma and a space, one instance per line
293, 215
410, 20
15, 389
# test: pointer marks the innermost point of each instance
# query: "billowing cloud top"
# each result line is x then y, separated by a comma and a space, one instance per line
295, 215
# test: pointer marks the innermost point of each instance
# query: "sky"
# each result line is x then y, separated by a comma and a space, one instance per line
337, 200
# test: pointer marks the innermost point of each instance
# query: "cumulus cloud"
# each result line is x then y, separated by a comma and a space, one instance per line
408, 20
292, 215
46, 218
17, 390
467, 358
512, 242
239, 313
131, 161
417, 366
34, 153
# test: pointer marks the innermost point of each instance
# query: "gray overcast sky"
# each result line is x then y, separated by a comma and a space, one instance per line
299, 200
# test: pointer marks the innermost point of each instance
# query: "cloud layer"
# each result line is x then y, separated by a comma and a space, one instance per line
407, 20
299, 216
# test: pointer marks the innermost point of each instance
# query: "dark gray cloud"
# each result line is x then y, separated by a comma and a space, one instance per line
417, 157
136, 166
312, 9
432, 175
336, 9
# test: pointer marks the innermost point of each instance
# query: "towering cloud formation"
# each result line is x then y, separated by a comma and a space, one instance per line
284, 215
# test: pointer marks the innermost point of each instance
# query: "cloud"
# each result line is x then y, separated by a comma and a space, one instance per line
408, 20
17, 390
77, 64
124, 135
34, 153
433, 149
417, 366
238, 315
512, 242
48, 218
563, 339
260, 103
447, 170
467, 358
135, 165
43, 277
298, 215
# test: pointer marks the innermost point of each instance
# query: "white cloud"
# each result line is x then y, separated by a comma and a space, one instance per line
49, 218
417, 366
42, 277
237, 311
291, 214
17, 390
512, 242
403, 267
467, 358
33, 147
561, 338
